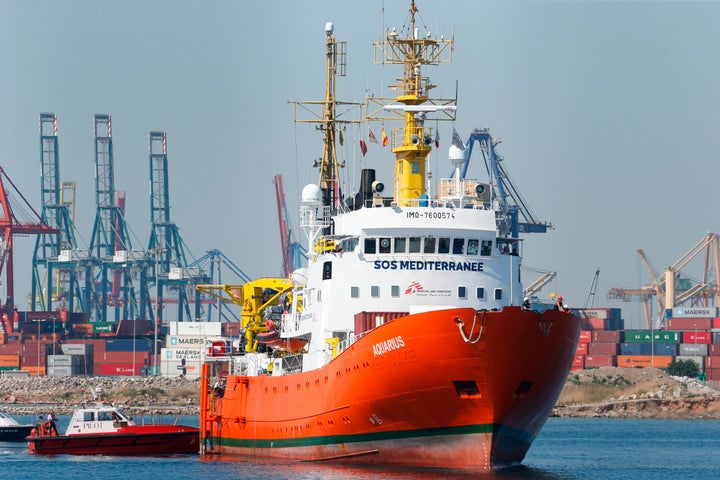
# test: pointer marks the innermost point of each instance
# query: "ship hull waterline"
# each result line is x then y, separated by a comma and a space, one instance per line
455, 388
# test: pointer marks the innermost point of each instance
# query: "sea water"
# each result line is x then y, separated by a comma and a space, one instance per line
567, 448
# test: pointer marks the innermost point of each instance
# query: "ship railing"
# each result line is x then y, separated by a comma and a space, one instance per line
441, 202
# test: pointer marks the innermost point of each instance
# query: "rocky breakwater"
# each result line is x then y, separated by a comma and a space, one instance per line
135, 395
636, 393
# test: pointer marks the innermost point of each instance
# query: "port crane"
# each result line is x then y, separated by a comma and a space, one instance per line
675, 287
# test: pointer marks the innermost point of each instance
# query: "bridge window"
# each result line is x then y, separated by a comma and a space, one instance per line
486, 248
443, 245
88, 416
384, 245
395, 291
415, 244
370, 246
480, 293
458, 246
498, 294
375, 291
472, 248
429, 245
354, 292
400, 244
462, 292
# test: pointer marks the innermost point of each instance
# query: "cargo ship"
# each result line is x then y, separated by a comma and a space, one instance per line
404, 341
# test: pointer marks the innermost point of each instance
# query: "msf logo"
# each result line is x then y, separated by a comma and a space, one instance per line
414, 287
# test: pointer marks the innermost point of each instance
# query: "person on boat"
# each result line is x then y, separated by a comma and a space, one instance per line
52, 419
559, 304
526, 305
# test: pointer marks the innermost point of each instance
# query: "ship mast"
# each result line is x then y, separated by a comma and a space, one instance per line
329, 120
411, 143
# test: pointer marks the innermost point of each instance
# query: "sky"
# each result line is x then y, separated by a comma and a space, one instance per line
607, 111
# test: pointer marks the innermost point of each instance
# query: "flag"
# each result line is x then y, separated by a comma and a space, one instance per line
371, 136
384, 138
342, 140
457, 141
437, 138
363, 147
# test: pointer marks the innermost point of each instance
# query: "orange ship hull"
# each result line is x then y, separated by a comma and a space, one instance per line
452, 388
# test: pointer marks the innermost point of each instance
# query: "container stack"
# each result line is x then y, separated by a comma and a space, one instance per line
600, 337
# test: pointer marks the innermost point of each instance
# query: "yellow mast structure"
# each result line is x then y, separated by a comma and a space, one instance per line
411, 143
329, 120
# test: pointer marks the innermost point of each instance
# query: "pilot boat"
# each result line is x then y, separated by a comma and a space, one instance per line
100, 428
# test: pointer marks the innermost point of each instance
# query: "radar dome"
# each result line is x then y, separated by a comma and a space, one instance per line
457, 156
311, 195
299, 277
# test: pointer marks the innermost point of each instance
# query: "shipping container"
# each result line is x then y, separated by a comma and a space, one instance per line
134, 328
177, 354
606, 336
697, 337
689, 324
600, 361
231, 329
174, 368
648, 349
582, 349
716, 322
648, 336
603, 313
11, 349
10, 361
62, 371
117, 369
365, 321
212, 329
33, 360
578, 362
185, 341
585, 336
713, 374
138, 358
714, 349
692, 349
85, 349
691, 312
128, 345
595, 348
711, 362
63, 360
633, 361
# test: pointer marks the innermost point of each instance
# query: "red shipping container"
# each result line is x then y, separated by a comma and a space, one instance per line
600, 361
142, 358
714, 349
11, 349
231, 329
606, 336
97, 343
33, 360
593, 323
716, 322
603, 348
365, 321
697, 337
582, 349
713, 374
115, 369
578, 362
585, 336
689, 323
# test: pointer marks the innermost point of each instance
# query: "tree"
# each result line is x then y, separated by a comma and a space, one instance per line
683, 368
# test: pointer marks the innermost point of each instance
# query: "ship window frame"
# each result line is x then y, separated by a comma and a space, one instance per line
473, 245
375, 291
429, 244
400, 242
414, 244
458, 246
462, 292
327, 270
88, 416
395, 291
414, 167
384, 245
480, 293
370, 245
486, 248
498, 294
444, 245
354, 291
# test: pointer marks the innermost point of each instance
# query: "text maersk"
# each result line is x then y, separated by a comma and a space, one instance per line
427, 265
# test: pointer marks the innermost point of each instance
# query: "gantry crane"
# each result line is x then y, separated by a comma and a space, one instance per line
518, 217
166, 246
58, 265
111, 245
675, 288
